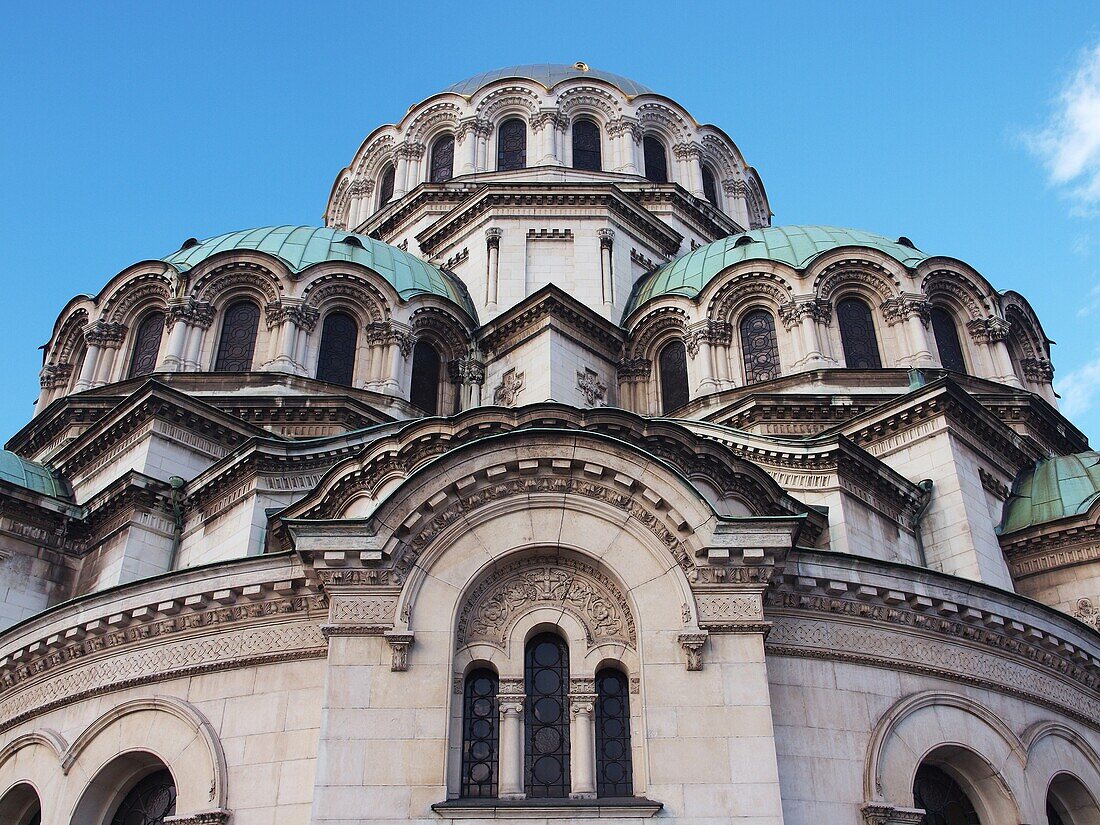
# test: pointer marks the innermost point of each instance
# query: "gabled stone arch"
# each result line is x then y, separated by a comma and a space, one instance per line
953, 731
238, 277
956, 290
654, 328
857, 275
764, 288
357, 293
374, 157
506, 100
665, 121
135, 295
589, 101
431, 120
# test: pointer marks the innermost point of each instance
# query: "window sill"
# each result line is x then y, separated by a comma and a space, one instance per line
637, 807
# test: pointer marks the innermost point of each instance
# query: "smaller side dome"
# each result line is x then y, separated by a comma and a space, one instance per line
1065, 485
795, 246
300, 247
30, 475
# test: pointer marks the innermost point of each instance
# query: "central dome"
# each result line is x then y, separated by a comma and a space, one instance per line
549, 75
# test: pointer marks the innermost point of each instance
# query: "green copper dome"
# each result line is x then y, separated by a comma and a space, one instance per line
1065, 485
793, 245
549, 75
30, 475
303, 246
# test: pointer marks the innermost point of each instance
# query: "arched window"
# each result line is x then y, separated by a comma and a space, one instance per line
385, 185
672, 367
614, 772
1053, 817
425, 378
148, 802
146, 345
238, 337
710, 186
512, 145
442, 163
857, 335
546, 725
336, 362
21, 806
944, 802
759, 347
947, 340
656, 162
586, 145
480, 735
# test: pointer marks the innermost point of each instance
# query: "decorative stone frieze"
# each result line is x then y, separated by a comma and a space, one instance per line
881, 813
565, 583
217, 817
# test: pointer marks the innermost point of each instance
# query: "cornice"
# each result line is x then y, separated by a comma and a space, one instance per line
555, 195
550, 302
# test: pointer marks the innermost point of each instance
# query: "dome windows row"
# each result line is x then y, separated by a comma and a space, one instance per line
586, 150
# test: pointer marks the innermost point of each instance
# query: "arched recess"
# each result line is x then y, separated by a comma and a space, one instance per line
1062, 768
135, 739
29, 764
957, 735
21, 805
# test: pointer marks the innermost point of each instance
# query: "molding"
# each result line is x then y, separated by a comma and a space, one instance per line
600, 808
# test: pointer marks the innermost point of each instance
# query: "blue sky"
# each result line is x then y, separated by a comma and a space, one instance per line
972, 128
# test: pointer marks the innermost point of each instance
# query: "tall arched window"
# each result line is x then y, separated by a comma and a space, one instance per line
147, 340
546, 726
386, 184
148, 802
512, 145
656, 162
238, 338
673, 370
586, 145
710, 186
857, 335
442, 164
1053, 817
425, 378
759, 347
336, 362
947, 340
480, 735
943, 800
614, 771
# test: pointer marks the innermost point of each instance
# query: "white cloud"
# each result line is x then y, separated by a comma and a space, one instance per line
1091, 306
1069, 144
1080, 389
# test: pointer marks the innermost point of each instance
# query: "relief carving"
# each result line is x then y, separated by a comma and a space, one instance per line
576, 587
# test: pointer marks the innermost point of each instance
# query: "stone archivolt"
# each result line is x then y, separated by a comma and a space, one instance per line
504, 595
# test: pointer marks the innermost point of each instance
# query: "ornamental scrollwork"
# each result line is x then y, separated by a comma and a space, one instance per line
568, 584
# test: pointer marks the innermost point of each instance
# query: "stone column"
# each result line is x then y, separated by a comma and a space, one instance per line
689, 157
467, 143
625, 134
177, 337
468, 374
993, 332
484, 129
402, 172
88, 367
808, 316
510, 702
582, 765
607, 275
914, 314
492, 273
400, 345
104, 339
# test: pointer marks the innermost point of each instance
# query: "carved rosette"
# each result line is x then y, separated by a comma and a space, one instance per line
586, 593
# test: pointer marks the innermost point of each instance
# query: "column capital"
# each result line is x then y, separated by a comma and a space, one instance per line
607, 237
493, 235
904, 307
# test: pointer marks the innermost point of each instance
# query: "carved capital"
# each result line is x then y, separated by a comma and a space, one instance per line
902, 308
735, 188
467, 370
634, 369
492, 237
692, 645
104, 334
687, 150
988, 330
399, 642
882, 813
582, 704
817, 310
607, 238
55, 375
1038, 370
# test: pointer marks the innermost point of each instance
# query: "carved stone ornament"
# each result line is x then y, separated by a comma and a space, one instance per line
607, 238
467, 370
988, 330
901, 308
1038, 370
217, 817
509, 388
692, 643
1087, 613
635, 369
592, 388
881, 813
492, 236
574, 586
399, 642
817, 310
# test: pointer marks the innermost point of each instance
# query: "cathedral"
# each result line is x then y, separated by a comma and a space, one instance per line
548, 481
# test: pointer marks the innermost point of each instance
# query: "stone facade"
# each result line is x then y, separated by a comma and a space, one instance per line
463, 507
